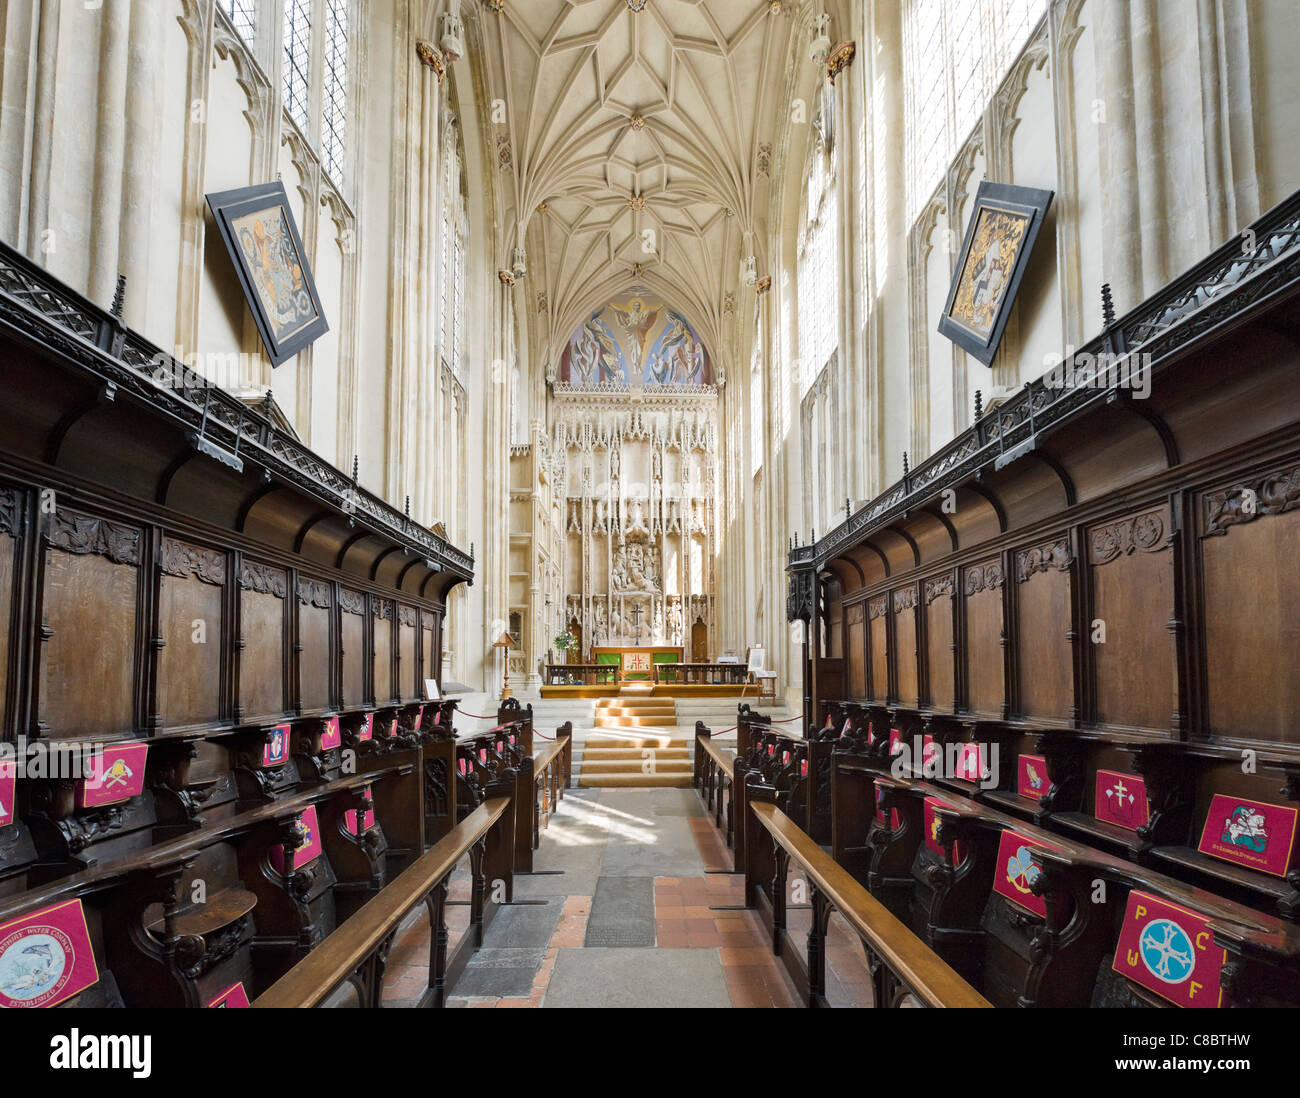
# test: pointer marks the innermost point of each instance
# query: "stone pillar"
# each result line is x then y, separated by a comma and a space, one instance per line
144, 94
1122, 230
110, 145
1149, 132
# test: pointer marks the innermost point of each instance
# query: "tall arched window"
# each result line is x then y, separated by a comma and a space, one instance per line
297, 61
454, 230
317, 78
819, 270
956, 53
334, 100
819, 314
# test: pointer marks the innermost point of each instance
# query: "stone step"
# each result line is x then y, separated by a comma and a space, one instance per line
635, 781
639, 766
634, 722
599, 757
631, 741
667, 704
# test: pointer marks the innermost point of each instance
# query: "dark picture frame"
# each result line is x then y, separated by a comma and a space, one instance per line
261, 237
999, 240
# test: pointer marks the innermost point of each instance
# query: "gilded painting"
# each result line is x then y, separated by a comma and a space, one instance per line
258, 229
635, 343
998, 242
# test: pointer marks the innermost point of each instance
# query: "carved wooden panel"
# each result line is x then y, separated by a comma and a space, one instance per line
1044, 653
1251, 607
352, 606
855, 640
406, 685
835, 632
191, 623
937, 605
89, 602
315, 607
432, 669
10, 525
986, 682
1132, 564
905, 645
263, 598
382, 610
878, 619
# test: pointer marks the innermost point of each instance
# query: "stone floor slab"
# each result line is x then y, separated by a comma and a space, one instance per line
613, 978
622, 913
500, 972
526, 926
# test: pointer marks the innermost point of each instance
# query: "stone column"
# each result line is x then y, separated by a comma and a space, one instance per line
110, 145
144, 95
848, 430
1122, 231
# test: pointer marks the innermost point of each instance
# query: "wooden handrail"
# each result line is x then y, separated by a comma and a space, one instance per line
547, 755
346, 950
917, 966
726, 763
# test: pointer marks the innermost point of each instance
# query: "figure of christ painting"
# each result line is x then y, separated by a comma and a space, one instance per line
982, 286
276, 270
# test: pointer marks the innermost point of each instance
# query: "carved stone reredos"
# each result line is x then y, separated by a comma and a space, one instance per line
636, 519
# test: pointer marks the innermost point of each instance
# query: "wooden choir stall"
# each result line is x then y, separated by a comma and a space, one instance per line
247, 634
1049, 738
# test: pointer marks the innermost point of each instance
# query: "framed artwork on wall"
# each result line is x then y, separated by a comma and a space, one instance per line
999, 239
259, 232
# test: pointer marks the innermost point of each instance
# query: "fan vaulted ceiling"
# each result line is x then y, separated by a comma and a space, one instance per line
635, 146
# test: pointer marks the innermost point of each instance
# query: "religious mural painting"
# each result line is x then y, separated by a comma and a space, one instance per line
635, 343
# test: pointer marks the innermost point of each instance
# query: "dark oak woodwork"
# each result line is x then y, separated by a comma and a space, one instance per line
207, 608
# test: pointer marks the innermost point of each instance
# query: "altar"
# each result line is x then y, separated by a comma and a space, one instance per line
635, 663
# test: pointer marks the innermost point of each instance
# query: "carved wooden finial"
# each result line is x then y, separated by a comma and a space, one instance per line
1107, 306
471, 550
848, 510
356, 467
979, 405
906, 468
796, 539
407, 509
119, 297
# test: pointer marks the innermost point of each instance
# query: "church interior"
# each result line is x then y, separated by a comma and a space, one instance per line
650, 503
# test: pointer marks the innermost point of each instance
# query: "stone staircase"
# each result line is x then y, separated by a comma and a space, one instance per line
635, 739
635, 711
719, 714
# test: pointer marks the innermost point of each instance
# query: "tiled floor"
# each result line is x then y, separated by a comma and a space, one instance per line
607, 842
